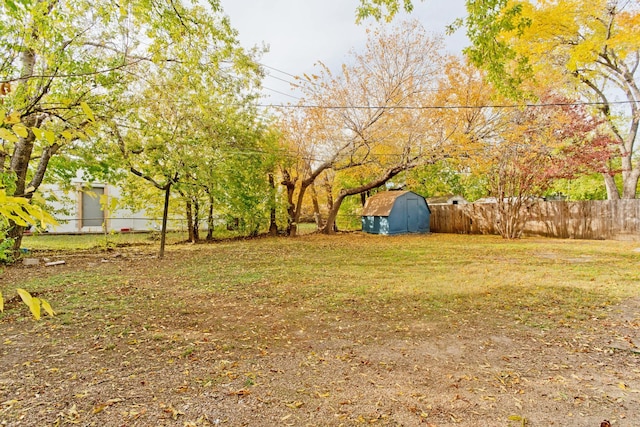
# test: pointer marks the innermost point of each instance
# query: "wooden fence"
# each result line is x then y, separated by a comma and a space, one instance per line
606, 219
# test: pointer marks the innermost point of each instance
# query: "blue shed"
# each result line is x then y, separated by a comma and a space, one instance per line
396, 212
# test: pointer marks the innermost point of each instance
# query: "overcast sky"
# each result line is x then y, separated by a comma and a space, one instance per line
300, 33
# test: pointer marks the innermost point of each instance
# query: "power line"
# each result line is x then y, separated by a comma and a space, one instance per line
283, 80
443, 107
275, 69
292, 154
285, 73
280, 79
279, 92
427, 107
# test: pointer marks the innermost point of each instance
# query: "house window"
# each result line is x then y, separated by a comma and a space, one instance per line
92, 212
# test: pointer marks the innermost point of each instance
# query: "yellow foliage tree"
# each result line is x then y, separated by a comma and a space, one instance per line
591, 50
371, 121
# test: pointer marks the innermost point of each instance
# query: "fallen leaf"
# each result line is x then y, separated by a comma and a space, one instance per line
99, 408
174, 412
295, 405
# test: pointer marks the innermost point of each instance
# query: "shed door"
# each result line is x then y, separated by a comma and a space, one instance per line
413, 220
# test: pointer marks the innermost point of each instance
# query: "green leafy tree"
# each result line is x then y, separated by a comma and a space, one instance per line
245, 190
157, 143
231, 177
17, 210
584, 187
160, 140
67, 65
446, 178
172, 129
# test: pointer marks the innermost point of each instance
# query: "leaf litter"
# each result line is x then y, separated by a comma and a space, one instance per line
162, 352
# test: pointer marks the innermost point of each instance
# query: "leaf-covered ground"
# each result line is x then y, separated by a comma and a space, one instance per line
439, 330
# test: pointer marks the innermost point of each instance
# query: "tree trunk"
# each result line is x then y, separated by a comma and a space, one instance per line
290, 185
167, 192
15, 232
630, 184
294, 209
20, 166
612, 189
210, 222
273, 225
316, 207
330, 225
165, 216
189, 214
196, 220
21, 156
20, 163
328, 187
41, 169
510, 218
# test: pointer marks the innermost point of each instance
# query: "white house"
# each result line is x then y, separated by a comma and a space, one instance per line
86, 209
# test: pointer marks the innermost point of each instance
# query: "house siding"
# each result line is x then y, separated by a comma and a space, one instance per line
68, 211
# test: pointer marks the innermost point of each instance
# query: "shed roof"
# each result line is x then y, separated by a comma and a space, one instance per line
381, 203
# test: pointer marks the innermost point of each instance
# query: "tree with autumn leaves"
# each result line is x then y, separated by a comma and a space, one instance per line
403, 105
595, 48
590, 49
367, 121
80, 79
536, 147
515, 151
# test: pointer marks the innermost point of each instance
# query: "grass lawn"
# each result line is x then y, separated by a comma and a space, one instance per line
350, 329
80, 242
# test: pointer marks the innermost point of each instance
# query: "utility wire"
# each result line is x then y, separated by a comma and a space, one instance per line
413, 107
279, 92
275, 69
444, 107
283, 80
430, 107
283, 72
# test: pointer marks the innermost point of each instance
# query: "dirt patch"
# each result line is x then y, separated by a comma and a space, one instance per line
184, 358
